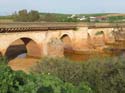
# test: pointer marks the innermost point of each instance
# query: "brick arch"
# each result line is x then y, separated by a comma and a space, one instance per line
67, 41
69, 34
28, 45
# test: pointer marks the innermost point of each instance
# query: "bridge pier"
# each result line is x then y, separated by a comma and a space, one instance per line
3, 52
34, 50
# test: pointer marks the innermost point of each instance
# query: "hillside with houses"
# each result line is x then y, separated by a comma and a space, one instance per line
35, 16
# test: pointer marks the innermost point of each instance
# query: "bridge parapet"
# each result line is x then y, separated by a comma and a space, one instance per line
45, 26
58, 24
23, 27
105, 25
37, 24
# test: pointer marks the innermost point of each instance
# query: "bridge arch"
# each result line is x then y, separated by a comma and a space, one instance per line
23, 45
67, 41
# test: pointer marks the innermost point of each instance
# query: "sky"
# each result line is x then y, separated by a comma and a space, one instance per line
63, 6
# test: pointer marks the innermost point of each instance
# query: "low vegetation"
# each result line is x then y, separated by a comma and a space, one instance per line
5, 17
19, 82
36, 16
116, 19
60, 75
25, 16
106, 75
65, 69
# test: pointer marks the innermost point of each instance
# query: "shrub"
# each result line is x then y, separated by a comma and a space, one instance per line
60, 75
19, 82
105, 75
64, 69
3, 60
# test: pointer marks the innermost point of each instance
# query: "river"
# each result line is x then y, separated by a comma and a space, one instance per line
22, 62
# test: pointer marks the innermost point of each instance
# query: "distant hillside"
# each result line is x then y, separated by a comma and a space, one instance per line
96, 14
6, 19
58, 17
55, 14
53, 17
112, 15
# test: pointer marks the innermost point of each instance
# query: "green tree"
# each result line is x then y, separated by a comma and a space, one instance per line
23, 15
33, 16
50, 17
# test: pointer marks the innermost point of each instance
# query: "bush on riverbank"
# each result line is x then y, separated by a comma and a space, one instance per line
106, 75
19, 82
65, 69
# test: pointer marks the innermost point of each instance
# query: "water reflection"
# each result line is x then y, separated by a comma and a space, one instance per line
24, 62
23, 55
78, 55
19, 52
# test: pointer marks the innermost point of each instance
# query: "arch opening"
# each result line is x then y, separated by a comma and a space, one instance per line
22, 48
66, 41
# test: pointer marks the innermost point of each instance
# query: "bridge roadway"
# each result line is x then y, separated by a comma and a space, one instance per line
45, 26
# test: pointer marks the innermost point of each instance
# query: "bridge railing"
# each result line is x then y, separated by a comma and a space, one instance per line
105, 25
43, 26
58, 24
37, 24
22, 27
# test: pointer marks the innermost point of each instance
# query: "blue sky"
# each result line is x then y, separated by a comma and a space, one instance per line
63, 6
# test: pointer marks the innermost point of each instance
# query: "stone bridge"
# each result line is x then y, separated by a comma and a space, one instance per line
36, 37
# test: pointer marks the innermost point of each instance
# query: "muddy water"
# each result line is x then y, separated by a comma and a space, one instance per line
78, 55
22, 62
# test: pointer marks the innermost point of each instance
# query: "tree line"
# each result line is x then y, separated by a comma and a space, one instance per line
25, 16
35, 16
